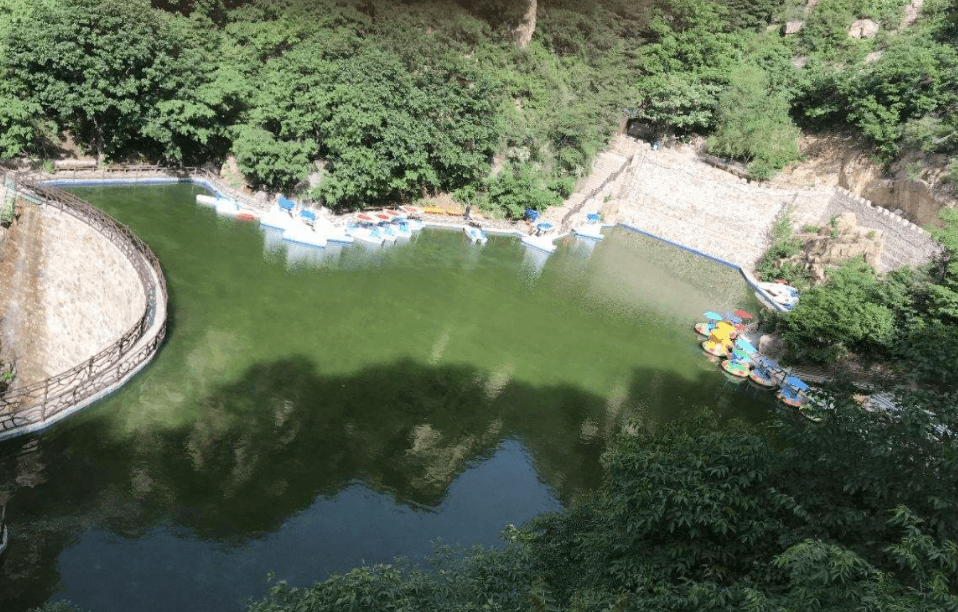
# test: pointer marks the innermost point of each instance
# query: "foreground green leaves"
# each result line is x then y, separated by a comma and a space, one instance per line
689, 519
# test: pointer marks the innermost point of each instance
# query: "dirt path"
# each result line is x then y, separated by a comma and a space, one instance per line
22, 317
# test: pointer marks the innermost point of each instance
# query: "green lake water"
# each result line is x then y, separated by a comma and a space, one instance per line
315, 409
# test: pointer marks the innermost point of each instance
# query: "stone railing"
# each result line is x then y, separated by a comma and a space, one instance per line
609, 180
33, 407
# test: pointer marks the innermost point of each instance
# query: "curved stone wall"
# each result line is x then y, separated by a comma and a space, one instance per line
104, 299
91, 293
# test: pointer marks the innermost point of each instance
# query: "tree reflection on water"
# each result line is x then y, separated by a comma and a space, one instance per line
265, 447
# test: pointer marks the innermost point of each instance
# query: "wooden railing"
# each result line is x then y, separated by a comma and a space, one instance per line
33, 405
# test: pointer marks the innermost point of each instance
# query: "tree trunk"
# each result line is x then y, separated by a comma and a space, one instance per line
527, 26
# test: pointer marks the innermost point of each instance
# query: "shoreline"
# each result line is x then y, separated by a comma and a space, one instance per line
449, 222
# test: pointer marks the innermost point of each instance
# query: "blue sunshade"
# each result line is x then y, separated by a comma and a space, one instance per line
769, 363
736, 320
714, 316
307, 214
745, 345
796, 383
286, 204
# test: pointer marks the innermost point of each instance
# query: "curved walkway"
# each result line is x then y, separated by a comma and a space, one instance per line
37, 406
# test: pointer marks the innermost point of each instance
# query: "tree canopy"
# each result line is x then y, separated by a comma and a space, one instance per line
383, 100
859, 514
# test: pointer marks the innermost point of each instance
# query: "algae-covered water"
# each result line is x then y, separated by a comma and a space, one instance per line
312, 410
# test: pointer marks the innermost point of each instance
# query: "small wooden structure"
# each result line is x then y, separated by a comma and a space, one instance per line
74, 164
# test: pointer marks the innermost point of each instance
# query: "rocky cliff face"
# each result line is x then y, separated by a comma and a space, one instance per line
914, 184
835, 243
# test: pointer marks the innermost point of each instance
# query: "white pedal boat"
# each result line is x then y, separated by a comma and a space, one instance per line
305, 231
475, 234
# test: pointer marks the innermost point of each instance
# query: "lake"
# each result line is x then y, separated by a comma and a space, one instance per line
314, 409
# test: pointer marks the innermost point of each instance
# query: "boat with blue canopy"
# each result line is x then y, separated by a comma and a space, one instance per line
401, 227
792, 392
475, 234
543, 238
705, 328
280, 216
304, 230
766, 372
334, 232
591, 229
364, 228
734, 320
738, 363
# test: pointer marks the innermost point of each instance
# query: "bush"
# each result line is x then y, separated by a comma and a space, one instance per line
7, 211
952, 175
517, 188
773, 266
847, 312
753, 124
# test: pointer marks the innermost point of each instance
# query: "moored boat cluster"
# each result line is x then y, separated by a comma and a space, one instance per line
316, 228
725, 337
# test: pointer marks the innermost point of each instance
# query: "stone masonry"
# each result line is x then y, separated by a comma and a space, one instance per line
905, 242
90, 293
673, 194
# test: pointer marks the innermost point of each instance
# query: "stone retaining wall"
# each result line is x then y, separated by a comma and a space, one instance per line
676, 196
102, 286
905, 242
90, 290
916, 198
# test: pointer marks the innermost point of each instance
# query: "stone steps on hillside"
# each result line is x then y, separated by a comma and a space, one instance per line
724, 218
606, 164
673, 194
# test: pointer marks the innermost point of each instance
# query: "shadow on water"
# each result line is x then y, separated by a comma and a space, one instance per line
308, 415
265, 447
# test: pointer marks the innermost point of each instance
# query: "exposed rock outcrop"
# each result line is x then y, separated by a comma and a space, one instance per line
863, 28
771, 346
912, 10
915, 184
914, 198
792, 27
527, 26
839, 241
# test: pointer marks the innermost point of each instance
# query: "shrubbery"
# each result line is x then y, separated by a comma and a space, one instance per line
692, 519
754, 125
909, 316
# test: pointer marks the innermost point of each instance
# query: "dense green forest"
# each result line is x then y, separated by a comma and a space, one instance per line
390, 100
